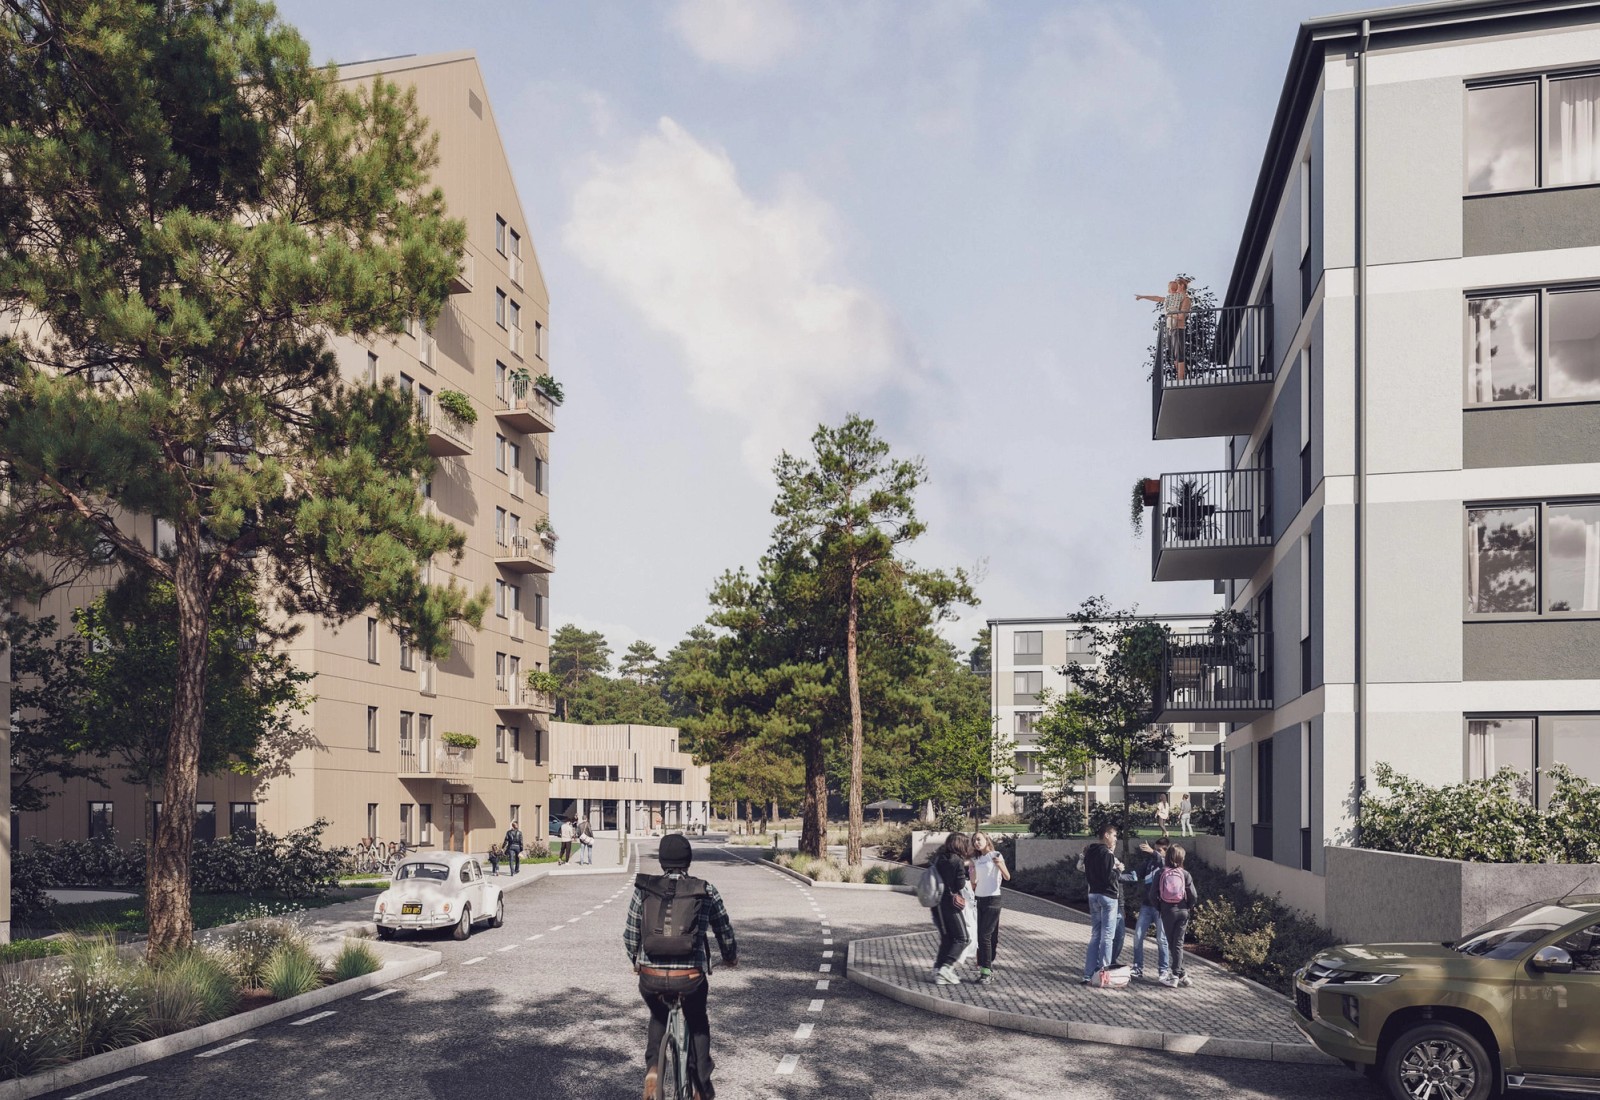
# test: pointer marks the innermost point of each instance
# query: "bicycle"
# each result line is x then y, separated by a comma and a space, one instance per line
673, 1058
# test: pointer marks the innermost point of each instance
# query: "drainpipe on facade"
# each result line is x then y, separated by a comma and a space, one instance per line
1361, 426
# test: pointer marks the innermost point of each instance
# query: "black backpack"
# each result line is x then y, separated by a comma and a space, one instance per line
671, 915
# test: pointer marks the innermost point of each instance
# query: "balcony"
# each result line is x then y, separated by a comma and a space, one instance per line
425, 760
525, 555
520, 699
1206, 678
531, 413
1150, 777
1215, 525
1228, 369
446, 436
461, 281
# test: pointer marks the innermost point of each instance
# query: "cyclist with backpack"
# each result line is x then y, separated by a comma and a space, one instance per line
667, 938
1175, 889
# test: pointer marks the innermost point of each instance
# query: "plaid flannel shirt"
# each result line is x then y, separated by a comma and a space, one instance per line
713, 918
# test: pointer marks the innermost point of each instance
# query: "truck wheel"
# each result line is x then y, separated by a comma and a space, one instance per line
1438, 1062
463, 927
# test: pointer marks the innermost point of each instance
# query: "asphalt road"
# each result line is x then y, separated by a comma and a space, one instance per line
546, 1007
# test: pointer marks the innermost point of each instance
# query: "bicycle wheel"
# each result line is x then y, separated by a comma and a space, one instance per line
677, 1076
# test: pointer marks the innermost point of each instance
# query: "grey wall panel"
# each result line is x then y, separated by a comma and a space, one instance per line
1530, 435
1239, 770
1414, 591
1549, 649
1319, 824
1337, 138
1530, 221
1286, 797
1414, 174
1414, 381
1318, 569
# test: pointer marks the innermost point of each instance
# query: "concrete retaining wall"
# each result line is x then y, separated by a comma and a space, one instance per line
1035, 852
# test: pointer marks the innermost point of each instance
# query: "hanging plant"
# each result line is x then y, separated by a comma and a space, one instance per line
459, 740
1136, 508
458, 406
547, 385
546, 531
547, 682
520, 380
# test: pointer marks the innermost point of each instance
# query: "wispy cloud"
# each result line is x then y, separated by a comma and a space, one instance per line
746, 35
770, 331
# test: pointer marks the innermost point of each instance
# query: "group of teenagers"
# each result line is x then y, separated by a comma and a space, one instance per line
967, 914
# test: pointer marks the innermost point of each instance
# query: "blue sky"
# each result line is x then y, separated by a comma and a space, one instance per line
755, 215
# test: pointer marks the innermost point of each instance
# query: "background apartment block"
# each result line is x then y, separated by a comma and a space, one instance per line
1026, 657
626, 778
1406, 380
381, 711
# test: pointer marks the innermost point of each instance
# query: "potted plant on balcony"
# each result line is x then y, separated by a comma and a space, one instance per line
547, 385
1146, 494
1190, 510
457, 743
547, 533
458, 407
547, 683
520, 380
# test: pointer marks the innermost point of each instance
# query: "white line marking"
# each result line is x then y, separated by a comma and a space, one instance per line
827, 939
235, 1045
106, 1088
575, 920
825, 954
826, 968
816, 1005
430, 977
804, 1031
381, 994
558, 928
514, 946
536, 935
474, 961
789, 1062
822, 985
313, 1018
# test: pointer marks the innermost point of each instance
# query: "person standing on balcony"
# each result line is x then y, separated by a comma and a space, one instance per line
1175, 309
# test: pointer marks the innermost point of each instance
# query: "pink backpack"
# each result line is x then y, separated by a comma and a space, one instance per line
1170, 887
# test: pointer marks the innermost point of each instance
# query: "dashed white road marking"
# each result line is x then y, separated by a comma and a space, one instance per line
235, 1045
804, 1031
509, 947
822, 984
475, 960
827, 939
430, 977
827, 954
816, 1005
381, 994
558, 928
789, 1062
575, 920
106, 1088
313, 1018
826, 968
535, 936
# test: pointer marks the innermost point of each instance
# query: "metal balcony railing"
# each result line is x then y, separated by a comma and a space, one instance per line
1213, 524
1211, 678
1214, 349
452, 760
530, 412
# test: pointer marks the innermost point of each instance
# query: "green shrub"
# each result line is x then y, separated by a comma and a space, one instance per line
1481, 820
1258, 937
354, 959
100, 1001
22, 950
457, 406
32, 1029
824, 870
547, 385
187, 990
291, 970
884, 876
249, 947
1057, 820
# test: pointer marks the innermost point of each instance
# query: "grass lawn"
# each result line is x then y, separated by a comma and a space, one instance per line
210, 910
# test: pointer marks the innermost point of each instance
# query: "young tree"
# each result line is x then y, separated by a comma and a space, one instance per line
191, 211
640, 663
48, 744
849, 513
959, 765
1061, 736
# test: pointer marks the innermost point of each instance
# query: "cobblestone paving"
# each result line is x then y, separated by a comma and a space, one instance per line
1039, 973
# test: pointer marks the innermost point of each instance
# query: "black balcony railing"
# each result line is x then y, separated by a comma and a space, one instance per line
1229, 677
1214, 510
1212, 346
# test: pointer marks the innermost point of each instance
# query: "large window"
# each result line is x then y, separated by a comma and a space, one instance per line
1509, 149
1028, 646
672, 776
242, 821
102, 825
1027, 683
1024, 721
1533, 345
205, 821
1532, 744
1528, 559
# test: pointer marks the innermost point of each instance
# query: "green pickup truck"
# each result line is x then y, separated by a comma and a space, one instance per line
1516, 1004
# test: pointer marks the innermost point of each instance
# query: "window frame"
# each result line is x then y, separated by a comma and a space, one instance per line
1542, 293
234, 809
500, 228
1541, 80
1539, 785
1541, 552
373, 728
500, 300
107, 810
1033, 636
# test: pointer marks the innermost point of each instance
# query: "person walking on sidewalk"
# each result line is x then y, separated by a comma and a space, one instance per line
991, 870
1164, 816
1150, 909
569, 833
585, 844
1185, 808
949, 915
1104, 871
1176, 892
513, 847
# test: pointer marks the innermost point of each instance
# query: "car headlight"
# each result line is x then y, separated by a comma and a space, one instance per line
1356, 977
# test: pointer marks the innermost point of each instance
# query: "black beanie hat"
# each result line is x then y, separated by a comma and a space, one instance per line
675, 853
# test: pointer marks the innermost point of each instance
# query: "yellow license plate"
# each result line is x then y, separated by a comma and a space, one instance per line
411, 909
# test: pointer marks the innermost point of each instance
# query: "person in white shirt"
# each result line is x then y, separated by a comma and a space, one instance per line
1185, 808
990, 870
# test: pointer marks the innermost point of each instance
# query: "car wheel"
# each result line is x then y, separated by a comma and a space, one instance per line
463, 927
499, 913
385, 933
1438, 1062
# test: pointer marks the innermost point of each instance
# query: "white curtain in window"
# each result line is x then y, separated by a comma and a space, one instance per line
1575, 122
1480, 385
1480, 750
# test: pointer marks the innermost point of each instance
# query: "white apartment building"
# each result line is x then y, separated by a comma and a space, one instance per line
1029, 656
1405, 377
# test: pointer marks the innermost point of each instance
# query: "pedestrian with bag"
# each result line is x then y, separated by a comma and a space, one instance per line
667, 938
1104, 872
569, 833
946, 881
1150, 910
1177, 894
991, 870
513, 846
585, 844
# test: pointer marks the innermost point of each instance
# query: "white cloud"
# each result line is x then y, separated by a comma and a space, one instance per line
770, 332
748, 35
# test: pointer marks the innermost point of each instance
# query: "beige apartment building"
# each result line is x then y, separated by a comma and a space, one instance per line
387, 764
626, 778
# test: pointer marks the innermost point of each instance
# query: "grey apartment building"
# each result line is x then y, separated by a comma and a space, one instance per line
1404, 378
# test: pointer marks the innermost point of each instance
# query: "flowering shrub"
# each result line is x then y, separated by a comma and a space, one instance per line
32, 1037
99, 997
248, 947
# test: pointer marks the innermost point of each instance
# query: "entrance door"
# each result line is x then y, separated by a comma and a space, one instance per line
456, 824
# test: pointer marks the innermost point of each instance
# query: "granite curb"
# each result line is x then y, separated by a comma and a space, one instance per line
115, 1061
1175, 1042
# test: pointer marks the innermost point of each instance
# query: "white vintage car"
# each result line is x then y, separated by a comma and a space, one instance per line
438, 890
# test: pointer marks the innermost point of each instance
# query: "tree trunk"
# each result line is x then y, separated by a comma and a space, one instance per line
814, 813
1125, 831
852, 852
167, 873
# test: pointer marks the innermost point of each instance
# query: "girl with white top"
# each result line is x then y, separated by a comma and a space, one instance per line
991, 870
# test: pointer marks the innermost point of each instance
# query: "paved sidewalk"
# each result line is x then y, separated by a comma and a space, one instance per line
1038, 988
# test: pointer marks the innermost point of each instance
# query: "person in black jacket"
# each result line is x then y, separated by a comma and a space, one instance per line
513, 846
948, 918
1104, 871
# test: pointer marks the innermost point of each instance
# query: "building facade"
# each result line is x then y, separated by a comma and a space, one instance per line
1027, 657
394, 758
626, 779
1405, 379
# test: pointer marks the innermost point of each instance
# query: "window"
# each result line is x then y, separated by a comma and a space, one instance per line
1584, 947
242, 821
500, 597
407, 656
513, 599
1024, 721
1521, 557
406, 719
500, 526
425, 823
1027, 683
500, 453
1532, 745
502, 382
516, 316
205, 821
372, 368
1079, 642
1504, 147
500, 307
499, 234
541, 475
1535, 345
372, 729
516, 255
372, 819
670, 776
405, 822
500, 671
499, 744
516, 813
538, 340
513, 455
1263, 778
1203, 762
1028, 643
539, 601
1305, 424
101, 824
372, 640
408, 385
